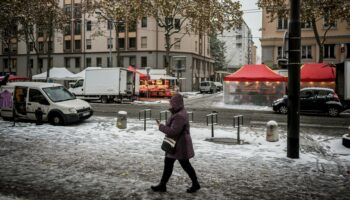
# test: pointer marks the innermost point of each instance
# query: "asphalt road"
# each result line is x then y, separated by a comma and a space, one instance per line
202, 106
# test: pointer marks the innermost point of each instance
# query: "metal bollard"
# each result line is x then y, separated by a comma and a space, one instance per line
190, 113
237, 122
122, 119
165, 112
39, 116
212, 115
145, 111
272, 131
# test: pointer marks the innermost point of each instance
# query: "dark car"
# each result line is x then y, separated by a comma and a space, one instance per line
313, 100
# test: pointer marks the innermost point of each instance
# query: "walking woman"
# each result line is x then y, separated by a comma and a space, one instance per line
178, 128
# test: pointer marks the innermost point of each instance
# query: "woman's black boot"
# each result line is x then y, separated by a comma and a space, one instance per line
161, 187
195, 186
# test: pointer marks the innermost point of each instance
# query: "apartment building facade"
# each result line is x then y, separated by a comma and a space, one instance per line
87, 42
336, 48
239, 47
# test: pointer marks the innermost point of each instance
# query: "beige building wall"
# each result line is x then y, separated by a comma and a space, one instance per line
272, 38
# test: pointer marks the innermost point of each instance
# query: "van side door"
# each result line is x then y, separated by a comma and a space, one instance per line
20, 101
37, 100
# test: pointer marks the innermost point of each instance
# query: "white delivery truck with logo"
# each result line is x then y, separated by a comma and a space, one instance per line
57, 105
107, 84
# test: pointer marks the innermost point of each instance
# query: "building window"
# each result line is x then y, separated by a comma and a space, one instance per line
239, 45
110, 25
177, 43
88, 26
40, 32
132, 42
41, 46
132, 26
31, 46
143, 61
67, 29
121, 27
144, 22
177, 24
68, 10
132, 61
88, 62
328, 51
31, 63
282, 23
306, 52
195, 46
88, 43
67, 62
109, 64
305, 24
77, 27
6, 63
143, 42
77, 62
77, 11
110, 43
328, 24
348, 50
279, 52
77, 44
67, 44
14, 63
40, 63
121, 43
99, 62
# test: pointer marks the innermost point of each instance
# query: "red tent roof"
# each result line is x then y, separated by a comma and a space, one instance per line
317, 72
142, 76
255, 72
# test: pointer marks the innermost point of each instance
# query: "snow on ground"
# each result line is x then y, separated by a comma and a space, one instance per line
96, 160
241, 107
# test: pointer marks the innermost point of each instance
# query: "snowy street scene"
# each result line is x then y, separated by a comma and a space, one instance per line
96, 160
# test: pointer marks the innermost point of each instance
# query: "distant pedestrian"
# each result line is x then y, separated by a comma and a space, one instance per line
178, 128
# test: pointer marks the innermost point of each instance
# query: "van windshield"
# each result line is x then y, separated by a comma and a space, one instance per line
59, 93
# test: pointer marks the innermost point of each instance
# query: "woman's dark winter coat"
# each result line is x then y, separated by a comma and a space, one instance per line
178, 128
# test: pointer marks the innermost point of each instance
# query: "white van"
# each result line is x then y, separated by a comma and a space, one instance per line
207, 86
58, 105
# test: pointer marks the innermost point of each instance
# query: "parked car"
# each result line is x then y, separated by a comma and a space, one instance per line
57, 105
218, 86
207, 86
313, 100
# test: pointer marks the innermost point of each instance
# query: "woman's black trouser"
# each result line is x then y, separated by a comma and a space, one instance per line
168, 169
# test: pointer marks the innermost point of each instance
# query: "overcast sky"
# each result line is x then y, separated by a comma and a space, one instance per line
253, 18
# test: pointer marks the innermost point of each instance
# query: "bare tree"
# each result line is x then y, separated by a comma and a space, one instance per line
121, 13
201, 16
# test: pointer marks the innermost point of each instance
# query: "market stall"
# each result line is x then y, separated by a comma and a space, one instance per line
158, 85
254, 84
317, 75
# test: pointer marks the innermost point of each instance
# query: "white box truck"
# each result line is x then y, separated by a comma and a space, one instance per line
107, 84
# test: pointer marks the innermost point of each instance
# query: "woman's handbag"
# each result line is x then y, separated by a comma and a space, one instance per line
168, 145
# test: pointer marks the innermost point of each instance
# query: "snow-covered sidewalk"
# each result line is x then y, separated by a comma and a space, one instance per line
96, 160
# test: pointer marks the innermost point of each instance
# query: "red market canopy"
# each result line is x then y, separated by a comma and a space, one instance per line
15, 78
317, 72
255, 72
142, 76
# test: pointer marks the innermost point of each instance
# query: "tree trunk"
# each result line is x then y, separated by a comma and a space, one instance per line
29, 69
318, 40
117, 43
49, 52
167, 53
